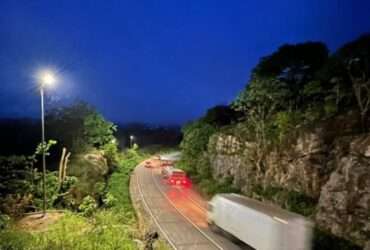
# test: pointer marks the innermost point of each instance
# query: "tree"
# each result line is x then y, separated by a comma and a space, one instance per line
66, 124
195, 141
97, 130
260, 101
294, 65
292, 62
265, 94
356, 58
221, 115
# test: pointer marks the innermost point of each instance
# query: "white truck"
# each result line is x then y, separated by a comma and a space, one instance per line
261, 226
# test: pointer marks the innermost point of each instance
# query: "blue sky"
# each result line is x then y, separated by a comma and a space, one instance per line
155, 61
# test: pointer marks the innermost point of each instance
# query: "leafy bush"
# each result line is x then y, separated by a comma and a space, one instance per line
109, 200
16, 204
194, 143
20, 182
88, 206
69, 181
286, 122
4, 221
16, 175
290, 200
99, 189
211, 187
110, 150
98, 131
52, 187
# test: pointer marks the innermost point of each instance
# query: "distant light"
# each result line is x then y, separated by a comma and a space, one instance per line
132, 137
47, 78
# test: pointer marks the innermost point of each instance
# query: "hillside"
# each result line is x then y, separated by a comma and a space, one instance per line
296, 136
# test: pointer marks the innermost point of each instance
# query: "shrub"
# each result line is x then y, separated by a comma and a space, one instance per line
212, 187
16, 204
286, 122
88, 206
110, 150
4, 221
52, 187
290, 200
109, 200
99, 189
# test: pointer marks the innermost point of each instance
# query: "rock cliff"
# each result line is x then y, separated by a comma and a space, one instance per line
333, 169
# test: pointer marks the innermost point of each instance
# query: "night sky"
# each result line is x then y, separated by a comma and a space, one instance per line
153, 61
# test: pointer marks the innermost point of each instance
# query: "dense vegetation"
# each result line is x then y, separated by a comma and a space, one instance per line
295, 88
87, 184
112, 226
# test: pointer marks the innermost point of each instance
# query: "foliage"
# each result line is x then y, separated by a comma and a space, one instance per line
100, 188
97, 130
211, 187
4, 221
52, 189
66, 124
111, 228
15, 205
110, 151
88, 206
118, 185
20, 182
293, 62
105, 231
286, 122
221, 115
288, 199
45, 147
109, 200
196, 136
16, 175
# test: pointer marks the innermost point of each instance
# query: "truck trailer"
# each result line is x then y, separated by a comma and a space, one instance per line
261, 226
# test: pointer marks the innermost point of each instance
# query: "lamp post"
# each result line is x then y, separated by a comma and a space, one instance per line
131, 140
46, 78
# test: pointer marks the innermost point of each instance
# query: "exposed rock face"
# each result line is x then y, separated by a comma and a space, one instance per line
301, 167
344, 205
97, 162
335, 171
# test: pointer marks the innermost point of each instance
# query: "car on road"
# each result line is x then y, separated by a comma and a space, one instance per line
178, 177
166, 163
175, 176
166, 171
259, 225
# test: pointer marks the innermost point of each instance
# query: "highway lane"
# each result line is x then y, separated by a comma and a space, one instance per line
180, 213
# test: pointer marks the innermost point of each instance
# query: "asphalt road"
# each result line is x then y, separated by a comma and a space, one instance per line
178, 212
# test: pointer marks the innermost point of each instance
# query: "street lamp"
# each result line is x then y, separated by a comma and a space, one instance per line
131, 140
46, 79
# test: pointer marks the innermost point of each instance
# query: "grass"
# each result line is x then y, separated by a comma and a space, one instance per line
103, 231
109, 228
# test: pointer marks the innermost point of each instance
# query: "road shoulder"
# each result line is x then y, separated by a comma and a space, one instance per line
146, 223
